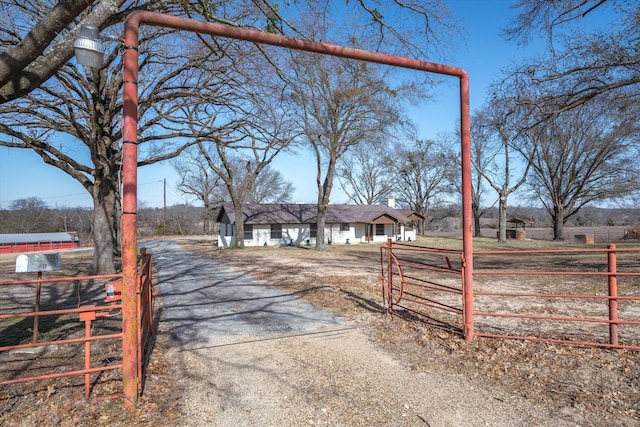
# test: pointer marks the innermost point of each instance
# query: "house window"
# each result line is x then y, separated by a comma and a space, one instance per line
276, 231
344, 226
380, 230
248, 232
313, 230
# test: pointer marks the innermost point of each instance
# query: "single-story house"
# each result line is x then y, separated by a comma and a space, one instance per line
296, 224
30, 242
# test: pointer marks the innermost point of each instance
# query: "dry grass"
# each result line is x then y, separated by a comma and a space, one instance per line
601, 385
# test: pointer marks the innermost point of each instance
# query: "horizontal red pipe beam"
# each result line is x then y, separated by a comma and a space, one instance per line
135, 19
434, 286
64, 311
431, 268
62, 374
553, 273
410, 248
555, 318
58, 342
62, 279
557, 251
572, 296
559, 341
431, 303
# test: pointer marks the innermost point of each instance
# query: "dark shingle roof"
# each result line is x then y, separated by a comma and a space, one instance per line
290, 213
412, 215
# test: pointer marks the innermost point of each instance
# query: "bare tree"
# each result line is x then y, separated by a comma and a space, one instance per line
73, 220
198, 180
423, 173
37, 35
584, 62
343, 103
240, 144
239, 183
29, 215
480, 159
271, 187
363, 174
496, 130
583, 156
38, 41
340, 104
86, 110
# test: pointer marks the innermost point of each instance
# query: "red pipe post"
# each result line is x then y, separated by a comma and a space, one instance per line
613, 293
467, 215
389, 276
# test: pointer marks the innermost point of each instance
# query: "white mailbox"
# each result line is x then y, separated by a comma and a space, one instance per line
35, 263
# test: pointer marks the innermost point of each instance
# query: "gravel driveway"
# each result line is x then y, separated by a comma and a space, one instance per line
204, 301
249, 354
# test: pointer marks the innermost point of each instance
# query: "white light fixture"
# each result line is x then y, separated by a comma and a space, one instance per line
88, 47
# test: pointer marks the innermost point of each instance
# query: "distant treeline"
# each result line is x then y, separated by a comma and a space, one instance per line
586, 217
188, 220
449, 219
180, 220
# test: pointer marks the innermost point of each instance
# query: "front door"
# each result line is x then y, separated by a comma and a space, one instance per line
368, 233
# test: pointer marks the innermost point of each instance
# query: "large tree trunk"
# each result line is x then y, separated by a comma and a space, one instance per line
324, 196
502, 218
322, 214
237, 207
475, 210
477, 232
106, 217
206, 228
558, 223
422, 226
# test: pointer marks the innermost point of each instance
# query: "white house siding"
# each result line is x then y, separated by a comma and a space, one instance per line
292, 234
404, 235
408, 235
298, 235
226, 237
388, 233
336, 236
226, 234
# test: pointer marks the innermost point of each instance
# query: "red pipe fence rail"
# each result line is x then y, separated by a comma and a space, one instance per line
586, 297
7, 248
65, 343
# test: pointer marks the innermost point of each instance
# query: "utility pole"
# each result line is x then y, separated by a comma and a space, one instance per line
164, 223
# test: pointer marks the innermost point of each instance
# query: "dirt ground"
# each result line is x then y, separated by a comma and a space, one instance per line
582, 386
585, 385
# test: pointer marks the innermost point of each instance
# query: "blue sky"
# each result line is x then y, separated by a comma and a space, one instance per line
482, 54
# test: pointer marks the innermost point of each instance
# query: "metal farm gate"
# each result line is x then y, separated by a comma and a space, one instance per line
584, 296
45, 322
423, 282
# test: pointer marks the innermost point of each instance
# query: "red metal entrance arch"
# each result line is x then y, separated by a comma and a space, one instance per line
130, 156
